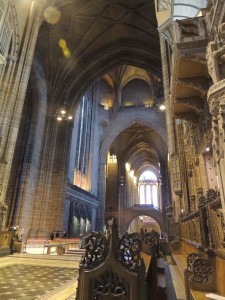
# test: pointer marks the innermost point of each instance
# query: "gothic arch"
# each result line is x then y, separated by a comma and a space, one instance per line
147, 118
105, 60
157, 216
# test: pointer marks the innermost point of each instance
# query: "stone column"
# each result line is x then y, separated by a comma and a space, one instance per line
15, 98
169, 110
101, 196
48, 206
93, 219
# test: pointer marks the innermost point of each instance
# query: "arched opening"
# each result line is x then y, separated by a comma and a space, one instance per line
133, 135
145, 223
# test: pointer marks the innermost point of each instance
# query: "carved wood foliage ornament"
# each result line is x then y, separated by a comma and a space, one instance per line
96, 250
108, 285
129, 247
202, 271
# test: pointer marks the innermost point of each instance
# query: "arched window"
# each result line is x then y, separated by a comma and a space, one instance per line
148, 189
142, 194
155, 195
148, 194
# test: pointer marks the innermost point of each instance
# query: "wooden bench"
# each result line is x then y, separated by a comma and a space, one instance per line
200, 277
179, 251
183, 255
198, 295
181, 261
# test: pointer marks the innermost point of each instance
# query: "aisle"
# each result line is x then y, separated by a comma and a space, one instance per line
170, 285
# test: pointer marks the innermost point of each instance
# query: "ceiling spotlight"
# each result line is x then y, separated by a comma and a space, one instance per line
162, 107
59, 118
70, 117
207, 149
63, 112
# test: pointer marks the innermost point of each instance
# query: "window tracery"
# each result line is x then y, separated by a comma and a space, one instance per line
148, 189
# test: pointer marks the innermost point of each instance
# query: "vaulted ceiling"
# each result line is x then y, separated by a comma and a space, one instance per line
98, 36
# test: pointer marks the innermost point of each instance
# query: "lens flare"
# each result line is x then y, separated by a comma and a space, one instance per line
52, 15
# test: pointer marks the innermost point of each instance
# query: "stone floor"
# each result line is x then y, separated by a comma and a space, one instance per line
30, 277
34, 275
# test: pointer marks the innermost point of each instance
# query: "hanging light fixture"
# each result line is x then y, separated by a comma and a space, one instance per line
62, 114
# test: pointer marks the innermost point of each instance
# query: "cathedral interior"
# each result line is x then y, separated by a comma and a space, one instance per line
112, 112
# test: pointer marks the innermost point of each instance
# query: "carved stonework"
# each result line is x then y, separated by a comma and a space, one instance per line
96, 248
170, 210
129, 251
110, 285
202, 271
212, 62
220, 226
188, 28
176, 175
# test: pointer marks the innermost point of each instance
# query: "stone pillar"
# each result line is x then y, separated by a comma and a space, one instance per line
101, 196
160, 194
169, 110
82, 225
93, 219
15, 99
49, 201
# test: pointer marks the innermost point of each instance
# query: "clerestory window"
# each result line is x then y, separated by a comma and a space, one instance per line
148, 189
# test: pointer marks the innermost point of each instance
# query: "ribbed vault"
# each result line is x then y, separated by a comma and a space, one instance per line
100, 36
